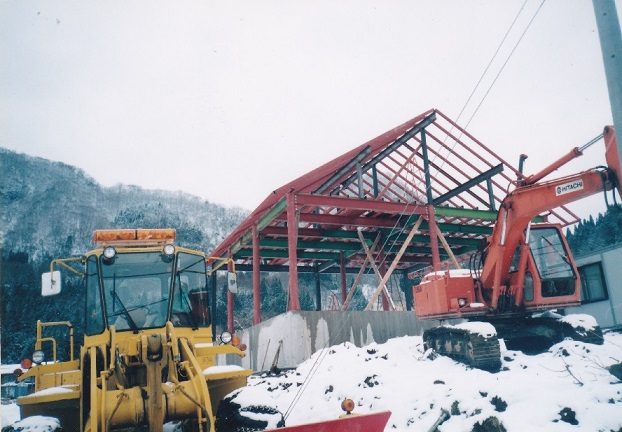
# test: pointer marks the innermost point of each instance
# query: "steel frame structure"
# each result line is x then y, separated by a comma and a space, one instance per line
427, 167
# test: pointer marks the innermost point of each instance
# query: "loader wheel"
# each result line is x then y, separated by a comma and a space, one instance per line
235, 418
35, 423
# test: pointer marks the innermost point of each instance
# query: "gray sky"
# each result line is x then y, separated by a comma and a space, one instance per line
230, 100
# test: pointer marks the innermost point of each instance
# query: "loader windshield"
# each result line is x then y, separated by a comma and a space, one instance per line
136, 289
190, 307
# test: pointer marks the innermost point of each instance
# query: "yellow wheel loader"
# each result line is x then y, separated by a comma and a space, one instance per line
149, 358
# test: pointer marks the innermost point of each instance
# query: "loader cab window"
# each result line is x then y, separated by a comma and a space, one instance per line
94, 313
136, 290
553, 262
190, 305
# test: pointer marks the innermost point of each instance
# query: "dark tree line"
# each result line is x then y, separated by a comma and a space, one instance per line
592, 234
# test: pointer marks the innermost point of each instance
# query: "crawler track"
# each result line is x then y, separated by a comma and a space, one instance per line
472, 349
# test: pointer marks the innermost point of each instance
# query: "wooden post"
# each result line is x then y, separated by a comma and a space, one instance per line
394, 264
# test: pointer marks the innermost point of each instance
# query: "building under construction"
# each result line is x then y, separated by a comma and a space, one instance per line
420, 194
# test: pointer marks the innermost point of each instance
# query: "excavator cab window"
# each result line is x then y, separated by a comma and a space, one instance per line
553, 263
190, 306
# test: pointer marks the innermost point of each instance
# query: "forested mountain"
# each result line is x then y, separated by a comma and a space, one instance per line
590, 235
50, 209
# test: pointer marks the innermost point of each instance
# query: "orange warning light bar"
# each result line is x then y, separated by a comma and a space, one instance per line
116, 236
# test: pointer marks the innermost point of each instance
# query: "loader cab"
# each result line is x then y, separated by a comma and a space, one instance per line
136, 289
138, 280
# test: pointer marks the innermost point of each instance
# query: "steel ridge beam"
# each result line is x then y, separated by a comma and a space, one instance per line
468, 184
359, 204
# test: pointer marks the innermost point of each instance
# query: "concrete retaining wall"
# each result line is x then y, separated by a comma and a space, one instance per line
304, 332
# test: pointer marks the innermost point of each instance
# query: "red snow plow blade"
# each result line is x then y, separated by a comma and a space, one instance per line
351, 423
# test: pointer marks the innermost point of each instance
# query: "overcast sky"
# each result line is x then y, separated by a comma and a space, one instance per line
230, 100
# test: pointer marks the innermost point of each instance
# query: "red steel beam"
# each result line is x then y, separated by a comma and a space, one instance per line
346, 220
256, 278
357, 204
292, 240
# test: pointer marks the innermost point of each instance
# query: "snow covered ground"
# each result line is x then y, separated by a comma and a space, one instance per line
567, 388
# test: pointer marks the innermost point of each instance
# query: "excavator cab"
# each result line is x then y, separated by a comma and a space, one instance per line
557, 274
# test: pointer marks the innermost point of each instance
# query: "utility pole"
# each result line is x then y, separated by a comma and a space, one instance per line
611, 47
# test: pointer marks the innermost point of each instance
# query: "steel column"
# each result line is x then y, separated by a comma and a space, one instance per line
256, 278
292, 237
406, 286
214, 300
436, 259
230, 299
491, 194
318, 290
342, 273
611, 47
426, 168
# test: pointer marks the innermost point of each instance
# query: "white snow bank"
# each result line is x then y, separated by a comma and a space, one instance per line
37, 423
483, 328
528, 394
587, 322
221, 369
51, 391
8, 369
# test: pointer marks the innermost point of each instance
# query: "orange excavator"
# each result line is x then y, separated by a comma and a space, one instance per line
524, 271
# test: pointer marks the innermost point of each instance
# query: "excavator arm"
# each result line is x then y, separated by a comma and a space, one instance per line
518, 209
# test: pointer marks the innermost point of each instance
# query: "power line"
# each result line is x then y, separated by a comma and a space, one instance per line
505, 63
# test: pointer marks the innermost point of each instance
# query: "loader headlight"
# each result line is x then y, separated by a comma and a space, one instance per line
225, 337
38, 357
169, 250
462, 302
110, 253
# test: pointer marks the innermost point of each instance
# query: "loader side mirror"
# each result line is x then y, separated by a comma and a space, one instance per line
50, 283
232, 282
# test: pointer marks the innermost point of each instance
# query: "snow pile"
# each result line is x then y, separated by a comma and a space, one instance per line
37, 424
567, 388
213, 370
580, 321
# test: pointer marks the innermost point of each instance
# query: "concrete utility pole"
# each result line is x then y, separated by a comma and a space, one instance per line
611, 47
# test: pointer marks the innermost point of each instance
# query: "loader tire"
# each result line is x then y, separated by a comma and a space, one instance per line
35, 423
232, 417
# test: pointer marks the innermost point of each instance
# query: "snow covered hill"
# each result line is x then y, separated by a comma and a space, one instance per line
567, 388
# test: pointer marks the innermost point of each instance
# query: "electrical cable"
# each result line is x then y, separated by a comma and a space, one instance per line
481, 101
505, 63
